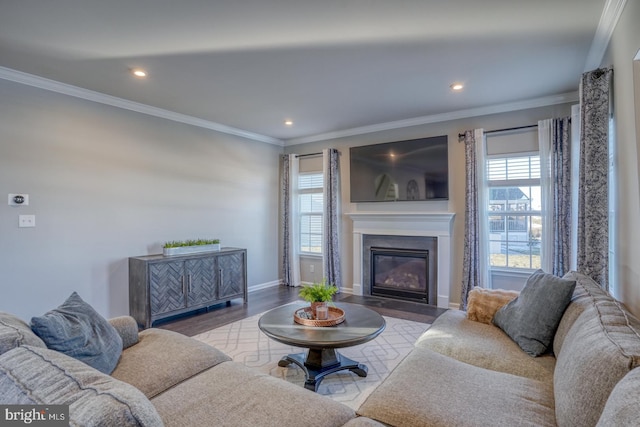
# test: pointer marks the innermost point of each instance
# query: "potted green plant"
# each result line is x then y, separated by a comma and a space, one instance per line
318, 294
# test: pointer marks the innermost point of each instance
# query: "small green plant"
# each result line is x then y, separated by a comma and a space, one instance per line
197, 242
318, 292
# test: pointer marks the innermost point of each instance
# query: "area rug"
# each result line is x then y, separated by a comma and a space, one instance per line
245, 343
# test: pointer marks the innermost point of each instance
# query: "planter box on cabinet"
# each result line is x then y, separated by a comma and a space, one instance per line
187, 250
160, 287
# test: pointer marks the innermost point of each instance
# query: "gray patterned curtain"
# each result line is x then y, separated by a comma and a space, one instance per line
471, 262
593, 195
290, 265
331, 239
561, 146
555, 164
285, 195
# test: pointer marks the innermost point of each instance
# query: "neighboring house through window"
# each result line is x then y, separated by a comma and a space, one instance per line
513, 210
515, 221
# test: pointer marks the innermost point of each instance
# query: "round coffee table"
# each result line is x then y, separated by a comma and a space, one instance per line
360, 325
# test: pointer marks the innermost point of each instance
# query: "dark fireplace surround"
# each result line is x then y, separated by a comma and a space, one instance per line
407, 267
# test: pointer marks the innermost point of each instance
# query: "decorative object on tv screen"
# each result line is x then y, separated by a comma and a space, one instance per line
416, 169
413, 191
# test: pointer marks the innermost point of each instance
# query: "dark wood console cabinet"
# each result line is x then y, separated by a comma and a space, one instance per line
163, 286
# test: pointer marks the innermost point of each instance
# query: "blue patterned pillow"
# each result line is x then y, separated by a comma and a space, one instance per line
77, 330
531, 320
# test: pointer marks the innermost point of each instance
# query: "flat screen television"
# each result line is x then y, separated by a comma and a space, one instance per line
416, 169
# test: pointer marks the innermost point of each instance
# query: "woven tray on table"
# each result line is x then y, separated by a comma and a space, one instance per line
336, 316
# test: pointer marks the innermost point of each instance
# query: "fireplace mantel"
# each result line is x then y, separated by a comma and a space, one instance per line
431, 224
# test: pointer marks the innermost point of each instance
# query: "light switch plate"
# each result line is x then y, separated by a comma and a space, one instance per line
26, 221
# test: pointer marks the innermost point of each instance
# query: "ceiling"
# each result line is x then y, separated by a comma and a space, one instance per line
334, 67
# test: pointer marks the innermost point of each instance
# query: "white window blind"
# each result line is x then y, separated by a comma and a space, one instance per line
511, 168
311, 208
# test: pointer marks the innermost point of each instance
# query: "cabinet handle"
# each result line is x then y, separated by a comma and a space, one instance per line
221, 271
184, 287
189, 282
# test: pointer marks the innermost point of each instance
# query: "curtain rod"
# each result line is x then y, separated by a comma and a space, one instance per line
461, 135
313, 154
308, 155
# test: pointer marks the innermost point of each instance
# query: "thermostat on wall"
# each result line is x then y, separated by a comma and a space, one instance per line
18, 199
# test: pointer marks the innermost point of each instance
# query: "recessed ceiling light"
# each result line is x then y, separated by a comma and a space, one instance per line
139, 72
457, 87
288, 122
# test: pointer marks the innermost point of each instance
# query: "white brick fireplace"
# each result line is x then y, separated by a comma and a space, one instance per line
428, 224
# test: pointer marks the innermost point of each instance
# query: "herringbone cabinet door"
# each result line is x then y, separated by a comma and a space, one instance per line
200, 280
166, 282
231, 270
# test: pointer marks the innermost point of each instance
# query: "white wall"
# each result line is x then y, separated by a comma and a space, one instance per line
456, 176
106, 184
622, 49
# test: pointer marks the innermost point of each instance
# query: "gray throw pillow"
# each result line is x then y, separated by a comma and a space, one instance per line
532, 318
77, 330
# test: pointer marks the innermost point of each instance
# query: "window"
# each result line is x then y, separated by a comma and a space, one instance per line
310, 193
514, 211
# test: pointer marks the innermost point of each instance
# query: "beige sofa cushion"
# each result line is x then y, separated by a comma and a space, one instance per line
600, 348
363, 422
32, 375
231, 394
157, 361
14, 332
584, 294
429, 389
127, 328
486, 346
622, 408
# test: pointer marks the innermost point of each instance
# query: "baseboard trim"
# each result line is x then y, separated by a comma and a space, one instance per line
266, 285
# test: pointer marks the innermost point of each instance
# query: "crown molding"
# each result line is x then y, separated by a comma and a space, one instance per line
101, 98
608, 21
438, 118
89, 95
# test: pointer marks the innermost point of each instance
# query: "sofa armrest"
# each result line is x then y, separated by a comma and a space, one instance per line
127, 328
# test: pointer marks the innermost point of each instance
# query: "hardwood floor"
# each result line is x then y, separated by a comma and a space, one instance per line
266, 299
